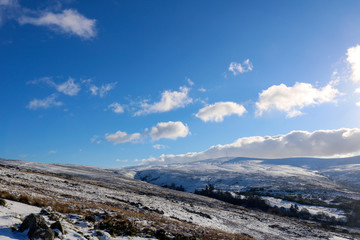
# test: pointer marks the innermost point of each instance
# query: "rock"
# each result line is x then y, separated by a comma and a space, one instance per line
57, 225
33, 222
43, 234
38, 228
2, 202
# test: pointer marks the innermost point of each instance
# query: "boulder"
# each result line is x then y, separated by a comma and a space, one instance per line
32, 222
38, 229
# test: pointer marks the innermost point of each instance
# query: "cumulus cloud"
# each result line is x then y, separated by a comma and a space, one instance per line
292, 99
116, 107
238, 68
216, 112
169, 100
353, 58
45, 103
122, 137
102, 90
170, 130
320, 143
68, 21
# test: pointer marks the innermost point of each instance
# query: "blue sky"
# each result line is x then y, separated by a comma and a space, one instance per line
119, 82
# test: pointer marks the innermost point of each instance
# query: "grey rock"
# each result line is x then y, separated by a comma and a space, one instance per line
33, 222
44, 234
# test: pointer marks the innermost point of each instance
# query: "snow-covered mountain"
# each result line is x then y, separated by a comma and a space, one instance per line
290, 174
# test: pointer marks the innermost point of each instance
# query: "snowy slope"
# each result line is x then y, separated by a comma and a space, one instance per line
235, 174
149, 206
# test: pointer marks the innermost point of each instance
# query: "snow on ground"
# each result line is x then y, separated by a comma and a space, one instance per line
108, 186
12, 214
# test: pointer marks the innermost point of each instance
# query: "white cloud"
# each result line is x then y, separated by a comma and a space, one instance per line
353, 58
52, 151
320, 143
122, 137
169, 100
202, 90
292, 99
69, 87
68, 21
216, 112
44, 103
171, 130
102, 90
191, 83
116, 107
159, 146
238, 68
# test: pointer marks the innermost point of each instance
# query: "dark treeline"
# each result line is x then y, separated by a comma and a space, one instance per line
255, 202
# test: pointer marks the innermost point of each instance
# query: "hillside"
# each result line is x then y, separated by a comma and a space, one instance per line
147, 208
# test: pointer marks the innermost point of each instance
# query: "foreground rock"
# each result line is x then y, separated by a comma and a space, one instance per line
38, 229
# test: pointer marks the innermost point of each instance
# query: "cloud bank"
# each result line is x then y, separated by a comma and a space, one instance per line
292, 99
216, 112
320, 143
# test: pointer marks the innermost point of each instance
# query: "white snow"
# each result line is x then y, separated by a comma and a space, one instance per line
13, 213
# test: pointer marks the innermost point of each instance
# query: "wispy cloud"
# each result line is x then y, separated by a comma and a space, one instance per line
45, 103
239, 68
216, 112
170, 100
102, 90
116, 108
190, 82
159, 146
122, 137
69, 87
320, 143
292, 99
170, 130
68, 21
